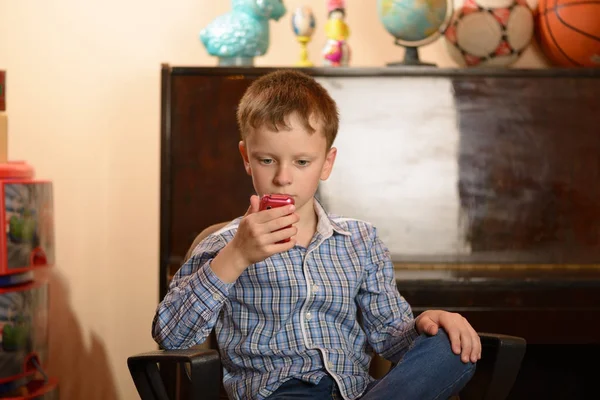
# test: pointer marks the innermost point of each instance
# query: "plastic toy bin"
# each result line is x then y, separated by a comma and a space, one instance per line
26, 212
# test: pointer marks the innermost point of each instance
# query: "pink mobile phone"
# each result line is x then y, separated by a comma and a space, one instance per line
269, 201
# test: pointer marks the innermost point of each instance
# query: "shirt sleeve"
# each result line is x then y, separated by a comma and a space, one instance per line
387, 317
189, 310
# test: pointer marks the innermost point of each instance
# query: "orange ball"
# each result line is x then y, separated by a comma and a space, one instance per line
569, 32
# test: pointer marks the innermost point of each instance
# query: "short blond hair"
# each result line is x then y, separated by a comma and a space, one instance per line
274, 96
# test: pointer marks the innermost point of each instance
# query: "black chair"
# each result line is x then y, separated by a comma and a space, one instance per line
196, 373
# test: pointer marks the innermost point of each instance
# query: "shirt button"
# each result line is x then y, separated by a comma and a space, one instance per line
216, 296
308, 316
330, 365
315, 288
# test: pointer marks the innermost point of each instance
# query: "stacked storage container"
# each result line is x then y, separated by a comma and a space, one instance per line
27, 243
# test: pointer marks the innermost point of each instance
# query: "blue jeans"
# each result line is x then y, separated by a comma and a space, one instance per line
429, 370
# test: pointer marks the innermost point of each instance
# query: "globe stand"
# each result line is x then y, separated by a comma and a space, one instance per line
411, 58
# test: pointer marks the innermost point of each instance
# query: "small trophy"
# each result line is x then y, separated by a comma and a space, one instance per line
303, 24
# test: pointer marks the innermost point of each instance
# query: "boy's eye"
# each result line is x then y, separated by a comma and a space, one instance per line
266, 161
303, 163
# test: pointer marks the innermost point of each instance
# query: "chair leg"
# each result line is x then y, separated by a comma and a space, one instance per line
148, 381
169, 374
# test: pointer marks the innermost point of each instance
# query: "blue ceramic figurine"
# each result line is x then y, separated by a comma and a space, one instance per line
243, 33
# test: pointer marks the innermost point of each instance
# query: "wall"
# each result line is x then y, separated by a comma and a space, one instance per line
83, 106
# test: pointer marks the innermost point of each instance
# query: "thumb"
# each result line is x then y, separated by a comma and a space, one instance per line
254, 204
428, 326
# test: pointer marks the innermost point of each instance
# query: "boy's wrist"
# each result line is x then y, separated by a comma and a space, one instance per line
236, 258
229, 264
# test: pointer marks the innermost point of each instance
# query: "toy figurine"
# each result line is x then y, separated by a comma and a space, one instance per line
243, 33
336, 52
303, 24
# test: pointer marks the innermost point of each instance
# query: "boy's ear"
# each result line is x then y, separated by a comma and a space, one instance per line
244, 153
328, 166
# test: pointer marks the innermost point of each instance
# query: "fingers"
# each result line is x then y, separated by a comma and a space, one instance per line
455, 340
262, 234
281, 234
260, 228
266, 234
281, 247
268, 238
464, 340
470, 343
470, 347
282, 222
476, 352
274, 213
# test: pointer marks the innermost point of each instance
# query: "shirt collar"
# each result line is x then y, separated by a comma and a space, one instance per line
326, 226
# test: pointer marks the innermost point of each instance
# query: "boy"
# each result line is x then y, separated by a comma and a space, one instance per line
285, 314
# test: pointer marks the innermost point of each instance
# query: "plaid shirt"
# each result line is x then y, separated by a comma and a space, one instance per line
293, 315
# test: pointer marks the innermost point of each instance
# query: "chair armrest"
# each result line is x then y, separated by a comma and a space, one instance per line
498, 368
204, 372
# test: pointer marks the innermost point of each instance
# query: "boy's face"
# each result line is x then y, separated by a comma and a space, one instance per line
289, 162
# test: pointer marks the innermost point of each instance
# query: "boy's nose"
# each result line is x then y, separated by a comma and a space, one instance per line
282, 177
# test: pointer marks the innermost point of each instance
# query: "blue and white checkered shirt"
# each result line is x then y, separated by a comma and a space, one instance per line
293, 315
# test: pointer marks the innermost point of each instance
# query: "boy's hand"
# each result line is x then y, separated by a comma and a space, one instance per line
256, 237
256, 240
463, 338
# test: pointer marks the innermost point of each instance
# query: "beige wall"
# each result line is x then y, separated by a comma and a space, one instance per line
83, 106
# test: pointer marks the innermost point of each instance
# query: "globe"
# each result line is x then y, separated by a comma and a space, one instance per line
414, 23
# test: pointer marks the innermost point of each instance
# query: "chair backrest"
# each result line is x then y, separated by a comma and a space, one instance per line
201, 236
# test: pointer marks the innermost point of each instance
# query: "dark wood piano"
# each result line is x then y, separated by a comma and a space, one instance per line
485, 184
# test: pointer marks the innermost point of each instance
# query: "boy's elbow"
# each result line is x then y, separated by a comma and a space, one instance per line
165, 344
162, 335
171, 339
165, 341
171, 330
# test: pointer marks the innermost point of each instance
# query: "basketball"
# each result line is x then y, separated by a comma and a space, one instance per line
568, 32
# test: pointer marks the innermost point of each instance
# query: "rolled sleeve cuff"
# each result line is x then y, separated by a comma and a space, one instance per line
210, 291
412, 333
407, 337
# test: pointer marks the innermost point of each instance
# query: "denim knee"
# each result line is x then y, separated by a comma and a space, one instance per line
440, 350
429, 370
